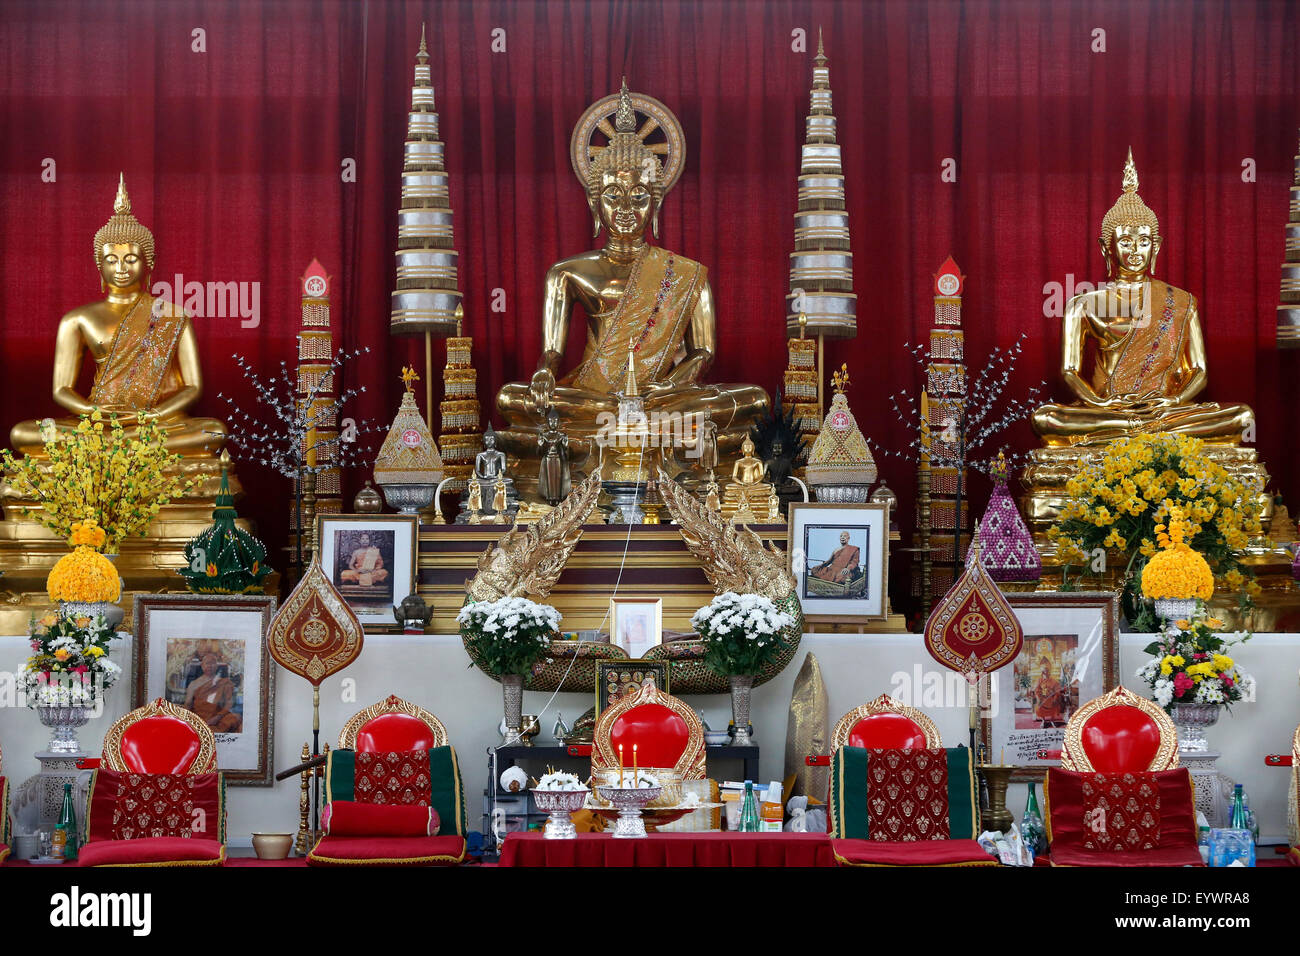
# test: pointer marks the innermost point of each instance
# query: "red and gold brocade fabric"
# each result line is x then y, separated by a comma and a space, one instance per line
1066, 807
393, 777
132, 806
907, 795
1121, 811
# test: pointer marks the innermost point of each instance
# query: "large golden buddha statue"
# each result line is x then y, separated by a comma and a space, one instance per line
640, 300
144, 349
1133, 354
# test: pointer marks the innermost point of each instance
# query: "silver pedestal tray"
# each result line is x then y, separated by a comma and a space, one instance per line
559, 804
629, 801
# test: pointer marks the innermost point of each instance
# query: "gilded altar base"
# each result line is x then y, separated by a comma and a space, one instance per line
28, 550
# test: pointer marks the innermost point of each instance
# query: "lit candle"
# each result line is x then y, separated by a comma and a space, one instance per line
636, 776
620, 766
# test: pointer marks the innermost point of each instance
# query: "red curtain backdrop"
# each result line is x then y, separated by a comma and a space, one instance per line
233, 157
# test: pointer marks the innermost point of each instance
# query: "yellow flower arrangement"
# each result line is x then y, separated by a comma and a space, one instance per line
1177, 571
1117, 499
97, 472
83, 576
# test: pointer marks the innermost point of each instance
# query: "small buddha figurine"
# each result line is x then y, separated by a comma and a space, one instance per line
490, 470
474, 507
499, 502
1150, 358
638, 298
144, 349
707, 445
747, 494
553, 478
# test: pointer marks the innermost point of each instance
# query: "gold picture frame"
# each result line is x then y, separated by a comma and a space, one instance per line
867, 524
371, 601
636, 624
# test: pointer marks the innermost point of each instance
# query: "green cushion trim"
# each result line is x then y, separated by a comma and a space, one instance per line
447, 793
340, 774
962, 820
849, 794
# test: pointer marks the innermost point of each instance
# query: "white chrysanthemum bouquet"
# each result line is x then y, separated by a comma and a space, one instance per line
741, 632
510, 634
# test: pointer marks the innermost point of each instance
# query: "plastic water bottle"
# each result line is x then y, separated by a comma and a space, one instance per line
749, 810
1237, 819
1252, 824
1031, 825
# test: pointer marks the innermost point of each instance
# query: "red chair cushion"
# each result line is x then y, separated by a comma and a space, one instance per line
1067, 803
160, 744
394, 732
350, 818
887, 732
1120, 738
133, 806
152, 851
920, 853
660, 736
387, 851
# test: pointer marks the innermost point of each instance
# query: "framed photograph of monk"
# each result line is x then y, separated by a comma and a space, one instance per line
636, 624
839, 556
207, 653
371, 560
1069, 656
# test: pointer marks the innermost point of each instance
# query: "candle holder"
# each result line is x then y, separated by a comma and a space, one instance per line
560, 804
997, 816
629, 801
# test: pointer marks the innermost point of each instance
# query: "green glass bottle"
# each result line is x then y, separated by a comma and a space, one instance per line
1031, 825
749, 810
65, 834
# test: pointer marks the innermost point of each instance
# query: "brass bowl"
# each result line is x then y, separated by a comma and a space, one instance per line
272, 846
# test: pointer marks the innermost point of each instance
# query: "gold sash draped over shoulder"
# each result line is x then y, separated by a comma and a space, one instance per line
658, 302
1151, 346
139, 364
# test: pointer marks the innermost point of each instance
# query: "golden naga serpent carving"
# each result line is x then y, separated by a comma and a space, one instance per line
528, 562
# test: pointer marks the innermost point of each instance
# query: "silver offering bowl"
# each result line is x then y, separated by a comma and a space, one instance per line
629, 801
559, 804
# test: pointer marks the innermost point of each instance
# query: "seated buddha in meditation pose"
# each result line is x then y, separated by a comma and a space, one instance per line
145, 352
1133, 354
639, 300
1149, 349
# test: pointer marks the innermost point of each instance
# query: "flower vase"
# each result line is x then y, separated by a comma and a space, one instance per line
741, 687
63, 721
512, 692
1191, 721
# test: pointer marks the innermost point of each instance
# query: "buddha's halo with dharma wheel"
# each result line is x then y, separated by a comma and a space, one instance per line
656, 127
974, 630
314, 634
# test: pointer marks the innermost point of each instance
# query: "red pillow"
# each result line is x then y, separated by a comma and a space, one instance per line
129, 806
393, 777
1134, 811
351, 818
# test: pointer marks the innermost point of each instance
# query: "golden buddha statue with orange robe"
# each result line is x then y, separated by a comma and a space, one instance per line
145, 352
1133, 354
640, 300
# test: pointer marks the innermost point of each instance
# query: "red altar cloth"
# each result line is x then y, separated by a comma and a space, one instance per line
670, 849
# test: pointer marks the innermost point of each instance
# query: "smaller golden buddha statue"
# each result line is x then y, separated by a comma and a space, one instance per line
748, 495
1133, 353
144, 349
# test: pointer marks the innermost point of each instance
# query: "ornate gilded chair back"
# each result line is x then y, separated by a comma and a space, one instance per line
160, 737
393, 724
1120, 731
665, 730
884, 723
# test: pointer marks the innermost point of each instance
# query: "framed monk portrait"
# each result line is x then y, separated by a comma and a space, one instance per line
371, 560
839, 557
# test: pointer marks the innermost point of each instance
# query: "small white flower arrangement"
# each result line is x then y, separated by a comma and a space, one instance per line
558, 780
510, 634
741, 632
69, 666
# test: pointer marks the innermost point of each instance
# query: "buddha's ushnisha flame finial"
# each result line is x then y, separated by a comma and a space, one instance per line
625, 118
1130, 184
122, 204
